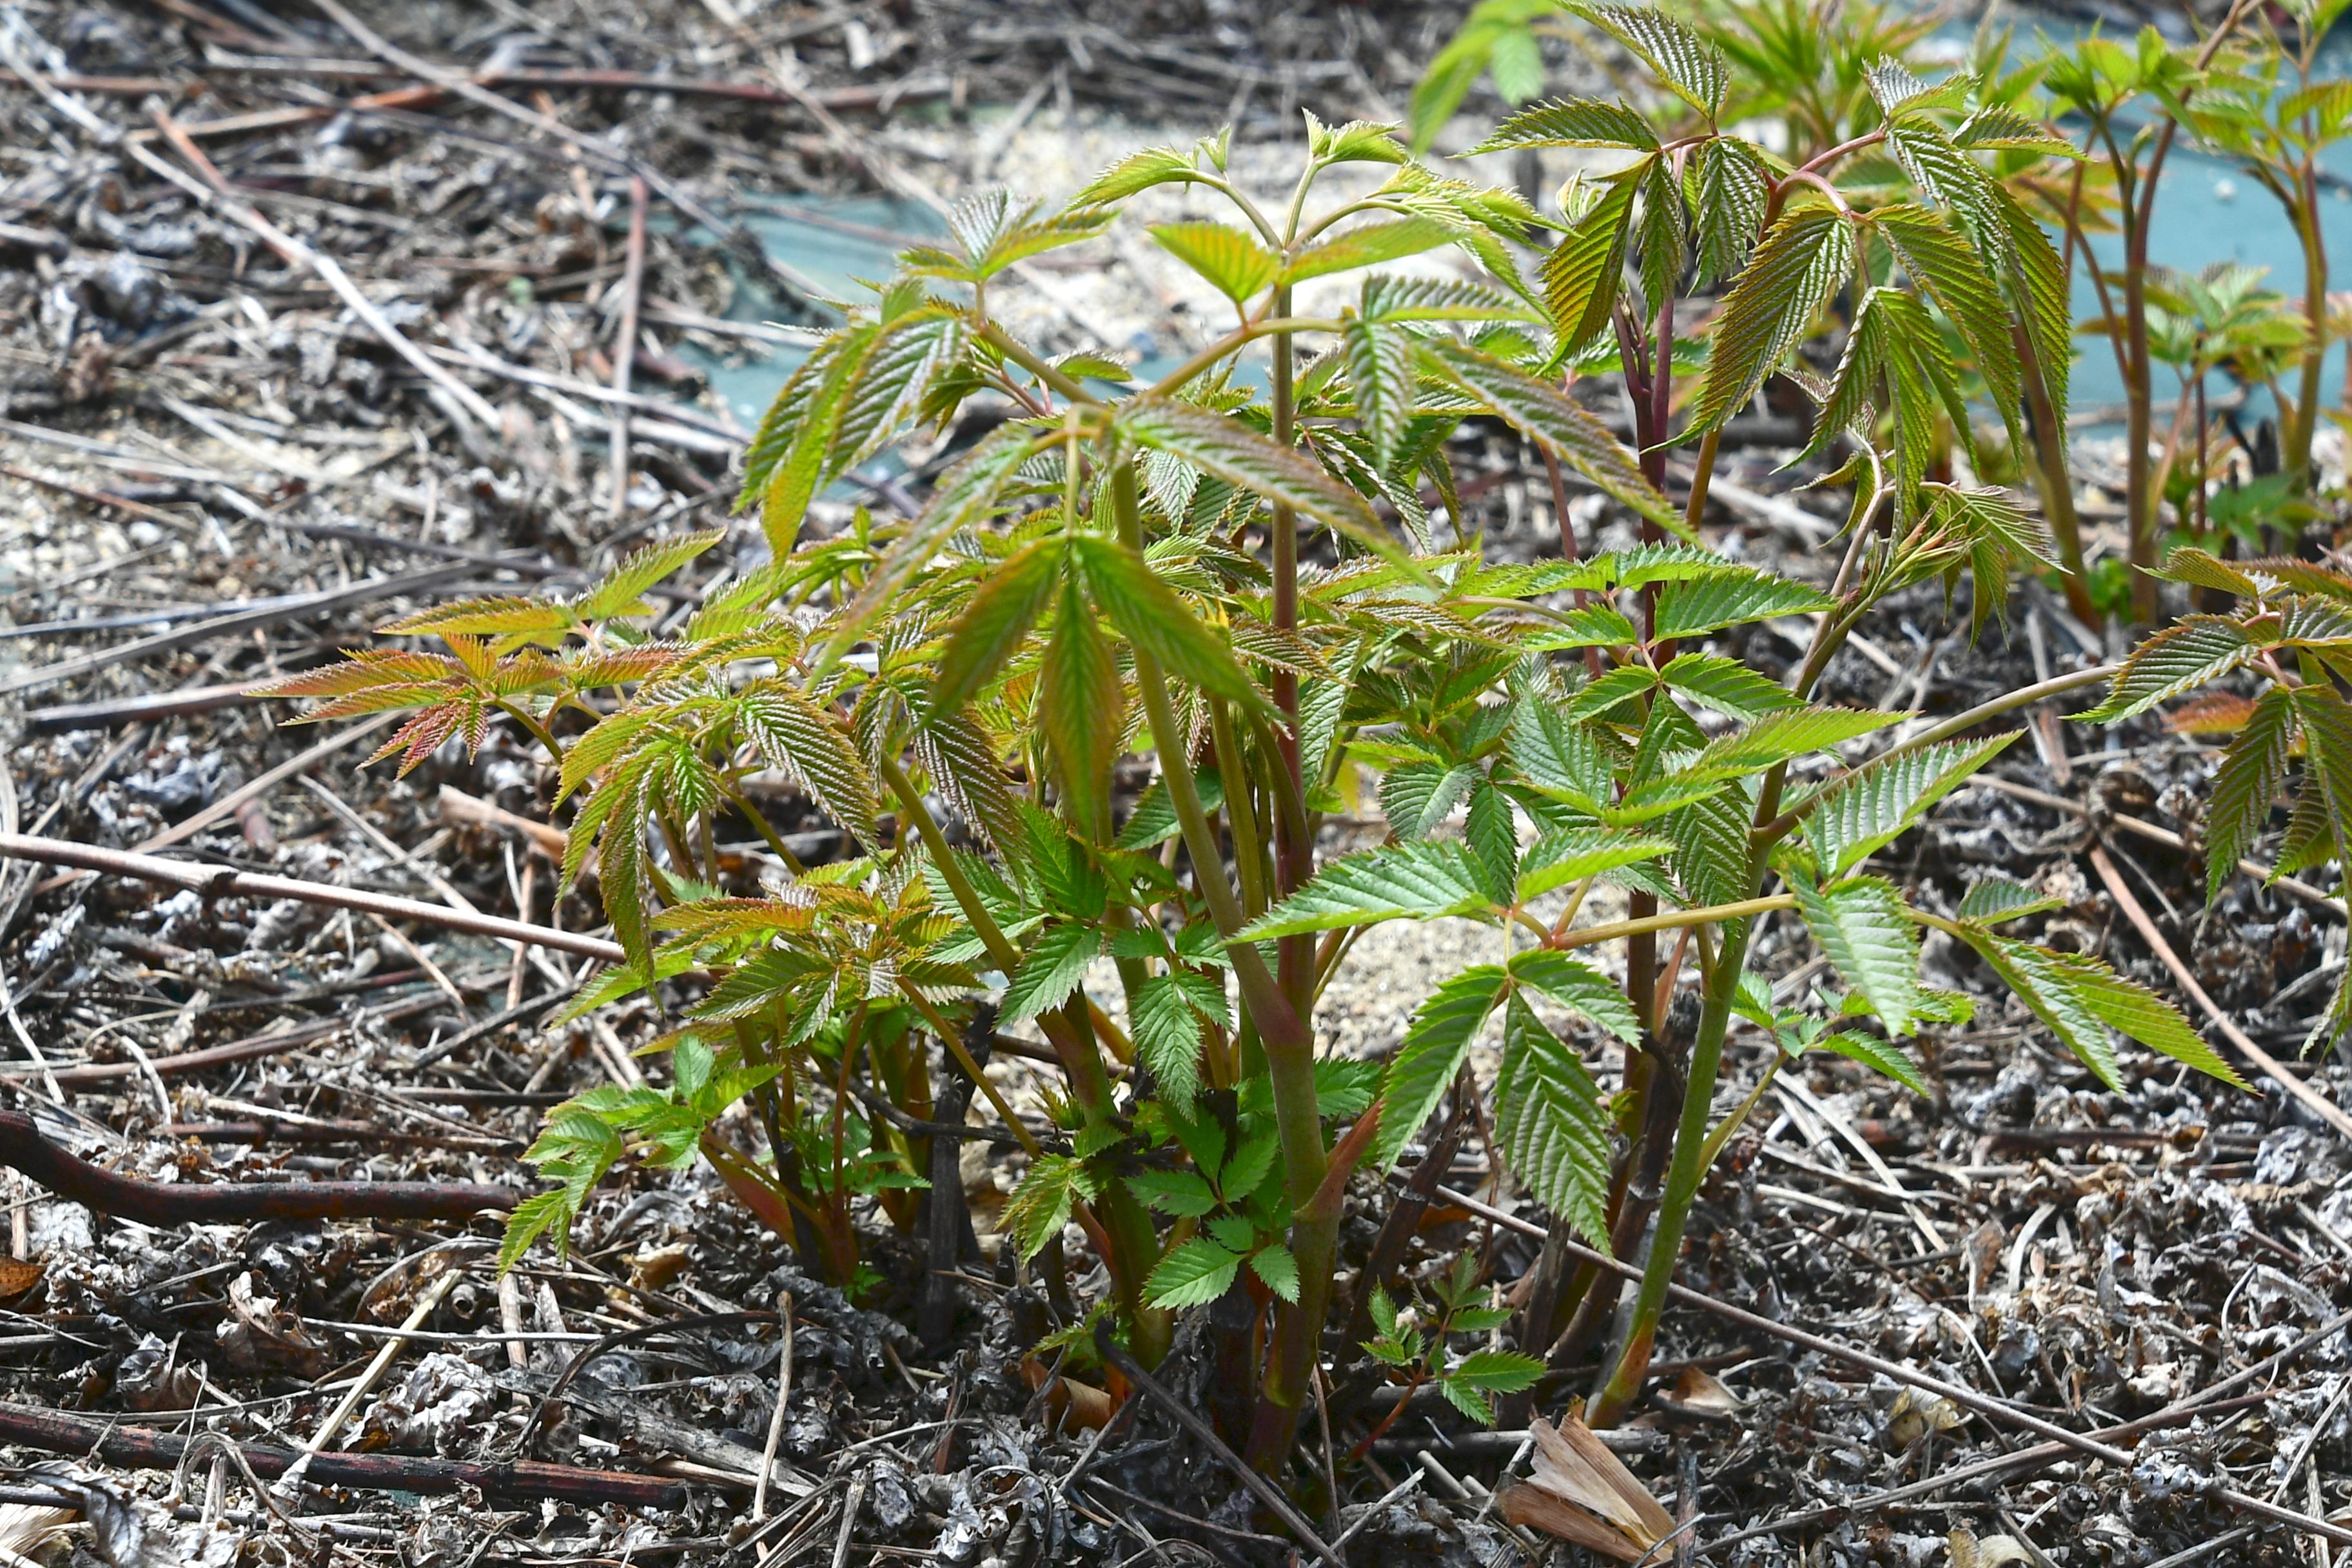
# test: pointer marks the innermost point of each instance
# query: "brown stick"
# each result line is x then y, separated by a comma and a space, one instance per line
624, 344
66, 716
1966, 1397
456, 805
2327, 1110
221, 881
297, 254
366, 592
23, 1148
2155, 835
129, 1446
248, 1050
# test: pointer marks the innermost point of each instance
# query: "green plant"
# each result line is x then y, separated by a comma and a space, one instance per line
2284, 652
1804, 66
1202, 573
1418, 1358
2103, 83
2277, 114
2221, 320
1812, 72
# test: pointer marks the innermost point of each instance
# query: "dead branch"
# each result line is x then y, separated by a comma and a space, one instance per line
521, 1481
221, 881
24, 1148
2319, 1105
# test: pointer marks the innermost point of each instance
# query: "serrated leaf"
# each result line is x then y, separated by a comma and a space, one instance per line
1581, 273
620, 590
1949, 178
1550, 1126
1389, 298
1570, 122
1492, 832
1135, 173
1154, 821
1590, 626
2038, 283
1730, 194
1566, 855
965, 771
1782, 736
1381, 375
1152, 619
1690, 67
1166, 1011
1232, 451
2133, 1010
1234, 262
509, 621
1997, 126
800, 739
1770, 307
1040, 1206
2191, 652
1015, 235
1724, 685
780, 426
1193, 1275
1698, 605
1578, 986
1082, 708
800, 469
1356, 142
1051, 971
1496, 1371
1278, 1268
1664, 233
1606, 698
1547, 417
1710, 862
1952, 269
1991, 900
1867, 936
1436, 1043
1416, 797
1879, 802
1367, 244
895, 374
1879, 1056
2044, 982
1556, 755
1179, 1193
963, 495
996, 621
2244, 786
2322, 822
1420, 880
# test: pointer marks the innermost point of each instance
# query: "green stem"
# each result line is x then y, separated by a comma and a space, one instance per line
1135, 1245
766, 830
2304, 425
1000, 951
1248, 861
539, 731
1690, 1164
1701, 477
2057, 482
1683, 1178
1281, 1030
1670, 920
